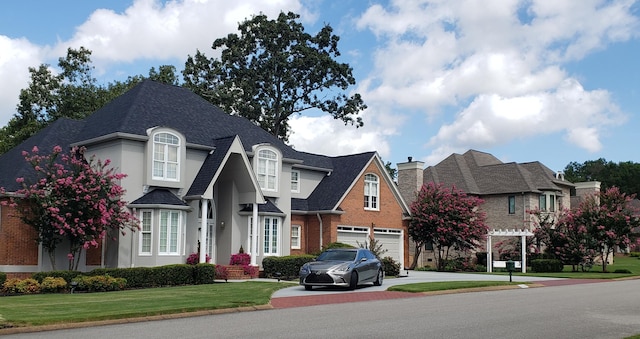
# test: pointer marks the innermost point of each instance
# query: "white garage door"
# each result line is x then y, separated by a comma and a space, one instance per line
353, 235
391, 240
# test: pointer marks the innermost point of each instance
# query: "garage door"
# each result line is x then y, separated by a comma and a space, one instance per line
391, 240
353, 235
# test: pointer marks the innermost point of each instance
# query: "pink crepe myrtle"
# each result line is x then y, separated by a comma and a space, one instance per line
448, 218
72, 198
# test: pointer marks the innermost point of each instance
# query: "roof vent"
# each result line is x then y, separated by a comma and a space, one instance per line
410, 159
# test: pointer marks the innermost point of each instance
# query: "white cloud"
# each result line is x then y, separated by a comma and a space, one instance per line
496, 67
16, 57
152, 30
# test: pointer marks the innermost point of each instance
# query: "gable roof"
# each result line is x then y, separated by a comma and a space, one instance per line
332, 187
481, 173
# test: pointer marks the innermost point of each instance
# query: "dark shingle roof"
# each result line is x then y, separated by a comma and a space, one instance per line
332, 187
159, 197
267, 207
481, 173
151, 104
12, 163
210, 166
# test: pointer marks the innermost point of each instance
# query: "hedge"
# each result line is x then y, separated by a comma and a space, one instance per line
287, 267
3, 278
546, 265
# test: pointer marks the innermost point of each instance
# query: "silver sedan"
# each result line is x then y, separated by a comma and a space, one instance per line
346, 267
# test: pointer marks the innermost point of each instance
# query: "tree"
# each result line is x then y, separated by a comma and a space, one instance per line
274, 69
624, 175
571, 242
71, 199
71, 92
448, 218
609, 219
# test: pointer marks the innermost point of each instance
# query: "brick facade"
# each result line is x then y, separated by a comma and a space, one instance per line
17, 241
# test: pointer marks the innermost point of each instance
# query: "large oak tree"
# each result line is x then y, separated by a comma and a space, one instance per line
272, 70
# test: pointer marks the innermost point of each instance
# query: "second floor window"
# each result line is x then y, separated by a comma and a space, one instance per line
512, 204
371, 192
268, 170
295, 181
165, 156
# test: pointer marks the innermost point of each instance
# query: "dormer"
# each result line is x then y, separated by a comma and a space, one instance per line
165, 157
267, 164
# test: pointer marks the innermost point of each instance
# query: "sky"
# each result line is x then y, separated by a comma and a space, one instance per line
524, 80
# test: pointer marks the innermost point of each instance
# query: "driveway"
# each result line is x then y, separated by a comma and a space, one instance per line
410, 278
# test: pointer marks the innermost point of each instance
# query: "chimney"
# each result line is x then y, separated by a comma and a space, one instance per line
410, 179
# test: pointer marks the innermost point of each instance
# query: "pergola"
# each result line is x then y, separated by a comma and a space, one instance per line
524, 233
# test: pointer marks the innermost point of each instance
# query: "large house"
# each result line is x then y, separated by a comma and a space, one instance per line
509, 190
203, 181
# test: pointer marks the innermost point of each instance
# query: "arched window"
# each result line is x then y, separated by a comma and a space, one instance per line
371, 192
166, 156
268, 170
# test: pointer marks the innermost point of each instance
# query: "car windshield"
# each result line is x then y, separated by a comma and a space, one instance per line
338, 255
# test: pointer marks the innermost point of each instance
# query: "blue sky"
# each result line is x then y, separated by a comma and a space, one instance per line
530, 80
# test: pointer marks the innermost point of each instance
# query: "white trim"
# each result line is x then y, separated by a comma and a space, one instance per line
298, 237
140, 237
297, 181
373, 198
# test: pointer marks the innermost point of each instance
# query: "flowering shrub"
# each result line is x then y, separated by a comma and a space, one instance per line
53, 285
21, 286
242, 259
194, 258
222, 272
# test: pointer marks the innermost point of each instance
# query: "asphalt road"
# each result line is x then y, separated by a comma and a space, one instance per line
596, 310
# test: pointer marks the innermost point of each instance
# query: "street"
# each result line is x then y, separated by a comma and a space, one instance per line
595, 310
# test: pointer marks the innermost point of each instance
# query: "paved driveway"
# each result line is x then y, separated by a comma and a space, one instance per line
412, 277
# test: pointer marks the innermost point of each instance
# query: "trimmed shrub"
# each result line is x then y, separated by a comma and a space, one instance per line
204, 274
222, 272
391, 267
622, 270
288, 267
481, 259
242, 259
68, 276
546, 265
100, 283
53, 285
3, 278
137, 277
21, 286
173, 275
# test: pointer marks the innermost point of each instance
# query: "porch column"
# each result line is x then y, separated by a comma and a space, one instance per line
489, 256
203, 231
523, 254
255, 232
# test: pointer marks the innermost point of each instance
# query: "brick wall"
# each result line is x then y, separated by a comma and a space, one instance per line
17, 240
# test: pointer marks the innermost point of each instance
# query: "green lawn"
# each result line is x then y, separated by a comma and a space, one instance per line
447, 285
620, 263
44, 309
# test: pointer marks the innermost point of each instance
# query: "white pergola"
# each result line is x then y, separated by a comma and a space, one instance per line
524, 233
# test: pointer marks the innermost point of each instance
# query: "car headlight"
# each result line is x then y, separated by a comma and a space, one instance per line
304, 269
342, 268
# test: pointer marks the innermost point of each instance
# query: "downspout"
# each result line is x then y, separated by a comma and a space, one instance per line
320, 221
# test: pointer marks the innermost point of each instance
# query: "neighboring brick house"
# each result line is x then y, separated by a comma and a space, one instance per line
198, 177
509, 190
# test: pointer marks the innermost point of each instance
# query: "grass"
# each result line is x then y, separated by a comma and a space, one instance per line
621, 262
448, 285
44, 309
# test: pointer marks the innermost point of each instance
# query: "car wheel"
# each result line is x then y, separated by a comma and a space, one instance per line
379, 279
308, 287
353, 282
